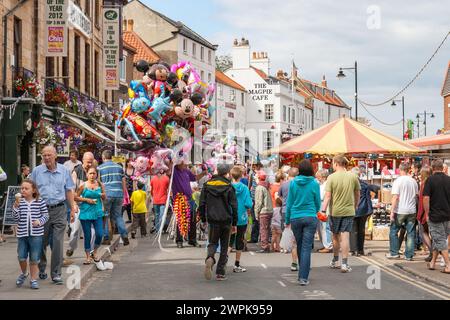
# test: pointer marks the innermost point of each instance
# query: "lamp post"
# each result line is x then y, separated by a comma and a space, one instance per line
403, 113
425, 114
341, 75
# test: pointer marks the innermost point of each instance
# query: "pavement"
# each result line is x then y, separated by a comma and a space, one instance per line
71, 274
143, 271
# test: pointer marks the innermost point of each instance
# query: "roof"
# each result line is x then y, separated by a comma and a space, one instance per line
143, 51
318, 94
431, 142
446, 85
223, 78
182, 28
261, 73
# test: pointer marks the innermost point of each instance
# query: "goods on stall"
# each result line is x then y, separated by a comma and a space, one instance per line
380, 233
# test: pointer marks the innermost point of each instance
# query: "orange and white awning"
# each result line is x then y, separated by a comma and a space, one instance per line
345, 136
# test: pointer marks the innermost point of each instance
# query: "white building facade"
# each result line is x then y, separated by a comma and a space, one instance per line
273, 109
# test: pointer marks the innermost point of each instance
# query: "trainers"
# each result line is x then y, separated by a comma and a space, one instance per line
408, 259
57, 280
220, 277
334, 265
180, 245
390, 256
239, 269
294, 267
208, 268
21, 279
345, 268
125, 241
42, 275
303, 282
34, 284
69, 252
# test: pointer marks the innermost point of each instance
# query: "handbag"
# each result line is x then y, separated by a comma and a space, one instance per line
322, 216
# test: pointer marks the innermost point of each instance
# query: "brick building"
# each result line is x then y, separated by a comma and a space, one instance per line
446, 95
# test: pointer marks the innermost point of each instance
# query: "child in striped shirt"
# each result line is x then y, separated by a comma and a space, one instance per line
31, 214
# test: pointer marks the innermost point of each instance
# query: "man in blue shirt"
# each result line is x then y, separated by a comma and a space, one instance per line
112, 176
55, 186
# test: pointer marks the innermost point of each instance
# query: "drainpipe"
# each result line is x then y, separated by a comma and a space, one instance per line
5, 41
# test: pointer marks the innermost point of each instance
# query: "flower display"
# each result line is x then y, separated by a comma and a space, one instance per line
29, 85
46, 134
56, 96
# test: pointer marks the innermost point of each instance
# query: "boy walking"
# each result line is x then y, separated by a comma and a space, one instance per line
138, 200
263, 211
218, 207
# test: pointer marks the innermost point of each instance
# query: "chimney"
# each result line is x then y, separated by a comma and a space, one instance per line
241, 54
324, 82
260, 60
280, 74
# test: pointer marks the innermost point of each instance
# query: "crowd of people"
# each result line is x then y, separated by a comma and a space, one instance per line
235, 206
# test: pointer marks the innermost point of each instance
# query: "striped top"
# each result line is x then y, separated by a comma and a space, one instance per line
26, 213
111, 175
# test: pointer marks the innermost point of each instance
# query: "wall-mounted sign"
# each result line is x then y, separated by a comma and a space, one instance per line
56, 27
261, 92
111, 47
79, 20
230, 105
230, 115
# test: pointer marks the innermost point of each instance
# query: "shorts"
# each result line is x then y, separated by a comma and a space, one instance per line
341, 224
240, 234
30, 246
439, 232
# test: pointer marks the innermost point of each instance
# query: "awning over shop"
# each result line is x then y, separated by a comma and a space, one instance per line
345, 136
107, 131
85, 127
437, 142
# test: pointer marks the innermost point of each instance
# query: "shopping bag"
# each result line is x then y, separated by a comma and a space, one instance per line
287, 239
126, 198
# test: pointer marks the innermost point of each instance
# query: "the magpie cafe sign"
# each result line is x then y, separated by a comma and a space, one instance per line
260, 92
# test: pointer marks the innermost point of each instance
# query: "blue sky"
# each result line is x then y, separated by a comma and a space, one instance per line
324, 35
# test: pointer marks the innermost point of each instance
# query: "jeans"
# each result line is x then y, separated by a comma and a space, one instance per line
56, 227
410, 222
29, 246
98, 226
219, 233
192, 236
113, 208
358, 234
159, 212
325, 234
304, 230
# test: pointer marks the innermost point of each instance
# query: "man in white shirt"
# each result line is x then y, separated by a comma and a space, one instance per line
72, 162
404, 209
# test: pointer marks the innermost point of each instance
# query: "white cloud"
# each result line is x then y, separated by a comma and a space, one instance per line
325, 35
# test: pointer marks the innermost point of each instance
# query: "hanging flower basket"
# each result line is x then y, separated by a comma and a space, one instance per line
56, 97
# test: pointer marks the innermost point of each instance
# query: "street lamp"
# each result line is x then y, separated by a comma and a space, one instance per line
403, 113
341, 75
425, 114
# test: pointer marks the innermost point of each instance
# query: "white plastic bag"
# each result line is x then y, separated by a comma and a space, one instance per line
287, 240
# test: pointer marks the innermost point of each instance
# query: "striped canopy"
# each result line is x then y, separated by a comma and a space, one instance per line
345, 136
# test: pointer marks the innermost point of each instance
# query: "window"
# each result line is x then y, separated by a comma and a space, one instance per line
49, 66
202, 53
289, 115
87, 69
77, 59
97, 71
194, 50
233, 96
209, 78
236, 126
123, 68
268, 112
106, 96
268, 139
220, 90
209, 56
293, 116
202, 75
284, 113
185, 45
242, 99
17, 42
224, 125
